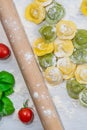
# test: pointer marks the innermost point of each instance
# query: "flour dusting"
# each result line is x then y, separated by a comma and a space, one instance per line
28, 57
36, 95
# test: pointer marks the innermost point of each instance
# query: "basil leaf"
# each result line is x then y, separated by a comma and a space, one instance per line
4, 86
8, 107
1, 108
6, 77
8, 92
6, 81
1, 93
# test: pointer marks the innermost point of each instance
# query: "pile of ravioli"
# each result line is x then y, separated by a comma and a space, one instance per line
61, 50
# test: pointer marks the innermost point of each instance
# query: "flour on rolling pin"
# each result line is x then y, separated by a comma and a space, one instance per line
12, 24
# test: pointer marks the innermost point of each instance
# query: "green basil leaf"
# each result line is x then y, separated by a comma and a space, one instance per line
9, 92
8, 107
5, 86
1, 108
6, 77
1, 93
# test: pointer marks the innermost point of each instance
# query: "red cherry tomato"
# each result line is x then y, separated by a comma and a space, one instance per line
26, 115
4, 51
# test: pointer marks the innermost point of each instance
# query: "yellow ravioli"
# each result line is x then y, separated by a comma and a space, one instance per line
44, 2
35, 13
84, 7
63, 48
81, 74
53, 75
41, 48
66, 29
66, 67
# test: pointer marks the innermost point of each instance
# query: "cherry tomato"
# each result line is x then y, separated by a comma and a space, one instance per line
26, 115
4, 51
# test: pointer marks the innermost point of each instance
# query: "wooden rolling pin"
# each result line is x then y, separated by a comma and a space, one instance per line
29, 68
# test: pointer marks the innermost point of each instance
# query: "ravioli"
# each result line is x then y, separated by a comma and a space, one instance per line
66, 67
81, 73
80, 39
41, 48
53, 75
66, 29
79, 56
84, 7
34, 12
48, 33
47, 60
54, 13
74, 88
63, 48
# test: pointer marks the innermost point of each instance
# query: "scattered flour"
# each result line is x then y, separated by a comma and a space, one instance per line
38, 85
28, 57
47, 112
36, 95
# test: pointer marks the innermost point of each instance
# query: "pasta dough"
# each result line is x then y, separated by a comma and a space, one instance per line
53, 75
66, 29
